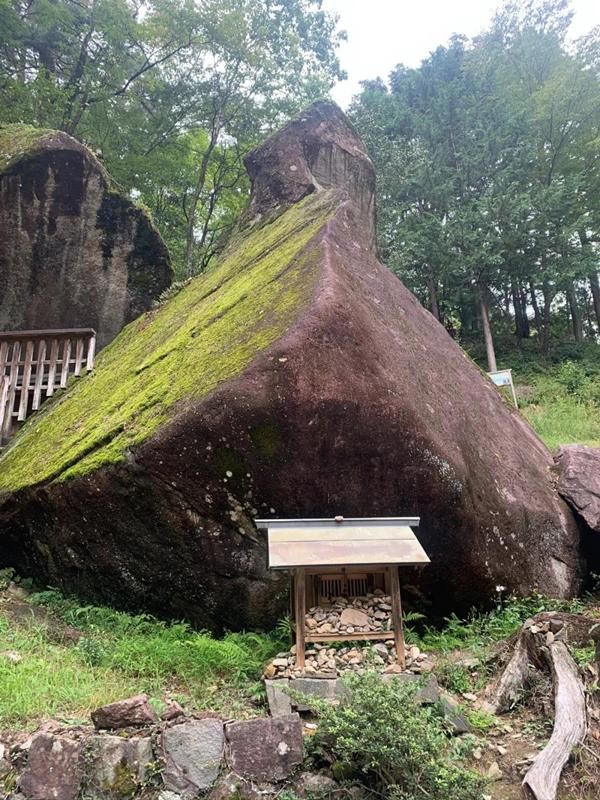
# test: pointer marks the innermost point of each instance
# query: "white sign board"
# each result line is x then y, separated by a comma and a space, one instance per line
503, 377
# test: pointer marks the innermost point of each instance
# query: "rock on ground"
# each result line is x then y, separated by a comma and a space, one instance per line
132, 711
192, 752
116, 766
265, 749
73, 252
298, 377
53, 769
579, 481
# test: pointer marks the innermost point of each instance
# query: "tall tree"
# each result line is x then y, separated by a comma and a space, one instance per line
148, 83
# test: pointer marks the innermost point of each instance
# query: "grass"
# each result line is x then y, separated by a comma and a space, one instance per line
51, 680
481, 630
119, 655
558, 395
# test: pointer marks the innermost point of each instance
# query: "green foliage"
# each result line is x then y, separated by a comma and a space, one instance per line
481, 720
584, 655
562, 396
6, 576
454, 677
172, 92
119, 655
142, 646
378, 736
237, 309
51, 681
488, 173
484, 629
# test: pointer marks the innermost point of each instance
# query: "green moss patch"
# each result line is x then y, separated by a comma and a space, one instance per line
19, 140
206, 334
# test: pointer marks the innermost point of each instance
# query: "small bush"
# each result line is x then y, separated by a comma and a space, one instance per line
381, 738
484, 629
454, 677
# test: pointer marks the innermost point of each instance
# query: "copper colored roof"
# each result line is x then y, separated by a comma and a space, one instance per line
342, 542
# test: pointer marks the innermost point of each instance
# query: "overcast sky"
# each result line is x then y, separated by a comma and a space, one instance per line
383, 33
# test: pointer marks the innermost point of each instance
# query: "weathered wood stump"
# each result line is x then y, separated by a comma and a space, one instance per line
542, 643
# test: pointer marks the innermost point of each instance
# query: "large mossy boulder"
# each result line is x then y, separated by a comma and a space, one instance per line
298, 377
73, 251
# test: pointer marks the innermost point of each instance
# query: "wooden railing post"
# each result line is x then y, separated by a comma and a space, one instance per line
26, 370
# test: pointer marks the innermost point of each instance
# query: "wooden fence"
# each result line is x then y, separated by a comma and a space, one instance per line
35, 363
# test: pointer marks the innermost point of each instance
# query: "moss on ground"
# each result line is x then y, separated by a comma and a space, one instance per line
208, 333
18, 140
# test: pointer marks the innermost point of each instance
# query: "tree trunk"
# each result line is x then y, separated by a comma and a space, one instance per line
536, 308
523, 298
536, 648
548, 298
197, 193
570, 724
487, 330
575, 314
595, 286
521, 321
433, 293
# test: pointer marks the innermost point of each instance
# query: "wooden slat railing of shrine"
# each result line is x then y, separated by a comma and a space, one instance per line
33, 364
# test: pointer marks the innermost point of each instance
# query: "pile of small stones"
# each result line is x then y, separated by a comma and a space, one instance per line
325, 661
367, 614
371, 612
551, 630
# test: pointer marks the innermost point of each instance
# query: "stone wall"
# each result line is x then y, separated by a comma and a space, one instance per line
131, 751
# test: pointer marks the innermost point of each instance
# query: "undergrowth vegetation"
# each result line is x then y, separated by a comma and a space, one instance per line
558, 395
381, 738
483, 629
119, 654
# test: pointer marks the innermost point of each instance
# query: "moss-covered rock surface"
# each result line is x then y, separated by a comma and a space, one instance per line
296, 378
204, 335
18, 141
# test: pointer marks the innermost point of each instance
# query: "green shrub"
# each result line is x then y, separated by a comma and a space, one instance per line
484, 629
454, 677
378, 736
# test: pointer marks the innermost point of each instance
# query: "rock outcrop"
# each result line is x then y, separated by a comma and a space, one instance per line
298, 377
74, 253
579, 481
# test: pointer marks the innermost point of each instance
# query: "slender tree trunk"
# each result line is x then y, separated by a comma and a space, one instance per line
524, 317
536, 308
433, 293
521, 322
506, 295
198, 189
595, 286
593, 279
487, 330
575, 314
548, 297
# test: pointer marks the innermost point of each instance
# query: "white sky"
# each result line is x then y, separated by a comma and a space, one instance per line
383, 33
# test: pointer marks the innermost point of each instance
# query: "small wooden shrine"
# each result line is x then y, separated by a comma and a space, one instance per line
329, 558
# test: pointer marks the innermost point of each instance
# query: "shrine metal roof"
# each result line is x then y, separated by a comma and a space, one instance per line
342, 542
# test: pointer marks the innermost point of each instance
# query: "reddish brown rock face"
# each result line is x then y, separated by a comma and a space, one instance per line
125, 713
73, 253
579, 481
363, 406
53, 769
